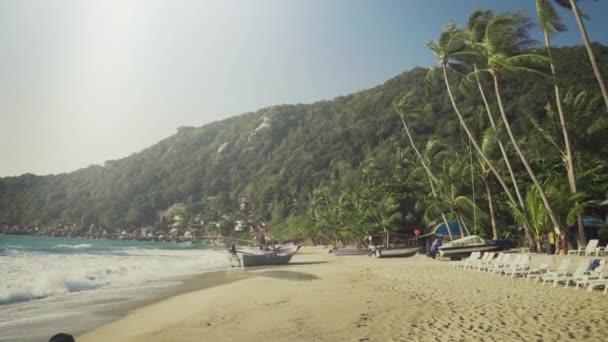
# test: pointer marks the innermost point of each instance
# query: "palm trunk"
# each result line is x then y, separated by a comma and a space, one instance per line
596, 69
428, 172
531, 173
461, 226
500, 145
569, 162
491, 207
477, 148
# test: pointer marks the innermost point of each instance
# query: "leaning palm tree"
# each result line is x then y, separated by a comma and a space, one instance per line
506, 36
450, 45
432, 179
572, 5
474, 35
550, 23
462, 207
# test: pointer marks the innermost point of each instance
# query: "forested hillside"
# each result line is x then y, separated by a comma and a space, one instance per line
338, 168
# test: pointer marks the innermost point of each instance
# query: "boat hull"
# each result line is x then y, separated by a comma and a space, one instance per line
396, 252
464, 251
265, 260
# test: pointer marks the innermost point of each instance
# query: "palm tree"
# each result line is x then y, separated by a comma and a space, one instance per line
504, 39
462, 207
475, 32
487, 143
572, 5
432, 178
450, 45
384, 214
534, 217
550, 23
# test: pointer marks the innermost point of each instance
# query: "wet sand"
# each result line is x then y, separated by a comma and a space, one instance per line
320, 297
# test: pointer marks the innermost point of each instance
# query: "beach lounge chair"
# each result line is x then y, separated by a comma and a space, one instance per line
496, 266
490, 263
520, 268
489, 256
561, 270
500, 268
600, 250
602, 280
587, 250
536, 272
486, 256
587, 277
566, 277
473, 258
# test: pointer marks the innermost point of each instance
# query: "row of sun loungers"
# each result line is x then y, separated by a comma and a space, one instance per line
591, 249
588, 273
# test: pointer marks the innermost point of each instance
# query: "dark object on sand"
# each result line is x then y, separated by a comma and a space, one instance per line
352, 251
61, 337
250, 260
396, 252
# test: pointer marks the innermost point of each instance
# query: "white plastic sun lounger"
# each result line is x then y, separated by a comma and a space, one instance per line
490, 264
536, 272
587, 250
461, 263
520, 268
565, 278
514, 260
561, 270
589, 276
487, 256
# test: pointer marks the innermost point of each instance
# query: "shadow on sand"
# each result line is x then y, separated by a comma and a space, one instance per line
288, 275
307, 263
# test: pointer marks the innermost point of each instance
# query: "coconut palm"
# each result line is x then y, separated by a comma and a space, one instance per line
550, 23
450, 45
384, 215
474, 34
449, 201
572, 5
534, 217
505, 37
432, 179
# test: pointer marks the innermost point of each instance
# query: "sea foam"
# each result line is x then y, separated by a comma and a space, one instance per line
25, 276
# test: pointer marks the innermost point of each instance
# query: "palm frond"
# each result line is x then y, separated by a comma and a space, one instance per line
549, 19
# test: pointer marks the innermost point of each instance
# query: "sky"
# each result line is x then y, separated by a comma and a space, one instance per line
82, 82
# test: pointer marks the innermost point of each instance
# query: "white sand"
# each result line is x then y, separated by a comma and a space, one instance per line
320, 297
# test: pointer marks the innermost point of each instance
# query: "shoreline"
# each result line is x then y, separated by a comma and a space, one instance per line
326, 298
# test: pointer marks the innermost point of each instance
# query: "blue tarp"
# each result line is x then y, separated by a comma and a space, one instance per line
590, 221
441, 229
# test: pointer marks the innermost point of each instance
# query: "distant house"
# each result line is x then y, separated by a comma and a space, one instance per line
243, 203
239, 226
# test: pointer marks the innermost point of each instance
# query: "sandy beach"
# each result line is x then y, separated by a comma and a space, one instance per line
320, 297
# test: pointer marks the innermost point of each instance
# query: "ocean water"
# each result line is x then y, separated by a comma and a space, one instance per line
49, 285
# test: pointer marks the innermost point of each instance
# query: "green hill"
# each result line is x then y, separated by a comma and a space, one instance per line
312, 171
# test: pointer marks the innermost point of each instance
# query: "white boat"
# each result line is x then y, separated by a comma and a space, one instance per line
465, 246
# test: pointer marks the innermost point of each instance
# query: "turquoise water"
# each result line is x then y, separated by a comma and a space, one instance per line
46, 282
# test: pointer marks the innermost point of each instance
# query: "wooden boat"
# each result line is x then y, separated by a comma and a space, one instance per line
250, 260
279, 256
351, 251
465, 246
396, 252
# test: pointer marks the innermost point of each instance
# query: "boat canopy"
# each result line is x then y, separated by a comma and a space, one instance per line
442, 229
465, 241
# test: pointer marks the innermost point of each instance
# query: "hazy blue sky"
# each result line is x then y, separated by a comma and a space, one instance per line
83, 81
